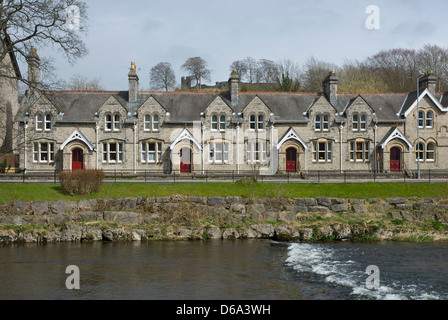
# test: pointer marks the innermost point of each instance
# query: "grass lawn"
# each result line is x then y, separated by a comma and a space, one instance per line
53, 192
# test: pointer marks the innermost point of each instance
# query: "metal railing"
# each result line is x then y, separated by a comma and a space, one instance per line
175, 176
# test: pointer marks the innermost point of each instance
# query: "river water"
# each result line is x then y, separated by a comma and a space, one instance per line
225, 270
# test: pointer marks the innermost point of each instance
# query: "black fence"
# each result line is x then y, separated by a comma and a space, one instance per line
310, 176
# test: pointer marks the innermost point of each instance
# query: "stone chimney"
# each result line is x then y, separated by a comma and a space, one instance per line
33, 61
234, 87
133, 83
428, 81
330, 85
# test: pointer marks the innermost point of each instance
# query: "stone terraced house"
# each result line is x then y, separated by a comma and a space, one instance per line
271, 132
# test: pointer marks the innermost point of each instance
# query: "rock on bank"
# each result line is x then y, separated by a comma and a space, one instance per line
199, 218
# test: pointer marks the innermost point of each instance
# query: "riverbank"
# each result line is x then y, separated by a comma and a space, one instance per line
180, 217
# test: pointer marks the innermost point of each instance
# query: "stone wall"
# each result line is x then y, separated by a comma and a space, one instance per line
194, 218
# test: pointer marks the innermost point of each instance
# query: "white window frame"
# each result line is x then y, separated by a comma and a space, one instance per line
147, 122
363, 150
318, 122
47, 120
362, 122
431, 119
327, 151
433, 152
155, 122
257, 152
325, 122
252, 122
38, 152
108, 123
146, 152
421, 119
116, 122
355, 122
421, 151
119, 152
214, 122
218, 152
39, 122
222, 122
260, 122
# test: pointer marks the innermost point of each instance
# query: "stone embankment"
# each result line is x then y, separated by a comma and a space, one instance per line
194, 218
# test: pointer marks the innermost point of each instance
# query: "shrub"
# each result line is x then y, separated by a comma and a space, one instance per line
81, 182
248, 181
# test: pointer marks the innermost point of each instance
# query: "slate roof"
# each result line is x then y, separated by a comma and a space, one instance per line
444, 99
79, 106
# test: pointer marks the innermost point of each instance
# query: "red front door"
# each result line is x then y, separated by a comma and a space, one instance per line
185, 160
77, 160
395, 159
291, 160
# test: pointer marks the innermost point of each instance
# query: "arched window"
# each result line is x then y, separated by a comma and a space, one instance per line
108, 122
430, 152
147, 122
429, 119
318, 122
260, 122
116, 122
355, 126
48, 122
326, 122
222, 122
420, 152
214, 122
363, 122
155, 122
39, 122
421, 119
252, 122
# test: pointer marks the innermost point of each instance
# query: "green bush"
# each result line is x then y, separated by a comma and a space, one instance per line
81, 182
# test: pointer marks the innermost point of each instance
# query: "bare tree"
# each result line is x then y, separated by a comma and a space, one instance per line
269, 70
355, 77
241, 68
80, 83
253, 74
397, 67
289, 76
434, 58
162, 77
45, 23
315, 72
25, 24
197, 69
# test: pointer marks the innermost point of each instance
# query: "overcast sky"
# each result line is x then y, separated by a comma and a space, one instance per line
152, 31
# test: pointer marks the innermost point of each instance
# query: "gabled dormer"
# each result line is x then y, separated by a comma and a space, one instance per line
151, 115
217, 116
359, 114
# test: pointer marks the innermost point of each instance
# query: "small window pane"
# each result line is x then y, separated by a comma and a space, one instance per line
147, 122
214, 122
155, 122
222, 122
